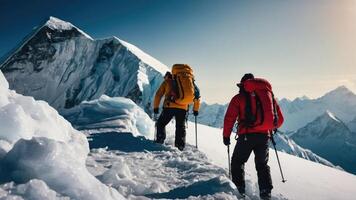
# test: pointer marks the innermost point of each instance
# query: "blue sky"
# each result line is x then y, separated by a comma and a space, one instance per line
304, 47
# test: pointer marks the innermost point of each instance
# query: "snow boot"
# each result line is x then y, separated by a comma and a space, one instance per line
241, 191
181, 148
265, 195
159, 141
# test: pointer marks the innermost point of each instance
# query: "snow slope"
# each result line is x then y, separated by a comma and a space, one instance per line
64, 66
305, 179
41, 154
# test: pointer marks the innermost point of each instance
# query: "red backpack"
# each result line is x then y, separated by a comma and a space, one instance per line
266, 117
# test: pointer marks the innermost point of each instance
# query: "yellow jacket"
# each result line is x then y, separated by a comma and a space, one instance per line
164, 89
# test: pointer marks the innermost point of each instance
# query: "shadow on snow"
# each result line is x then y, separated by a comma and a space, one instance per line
125, 142
202, 188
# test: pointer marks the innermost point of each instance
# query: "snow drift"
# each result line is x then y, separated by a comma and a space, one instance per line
117, 113
37, 143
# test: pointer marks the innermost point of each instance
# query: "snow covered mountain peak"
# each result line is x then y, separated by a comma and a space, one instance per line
328, 123
60, 25
330, 138
72, 67
339, 92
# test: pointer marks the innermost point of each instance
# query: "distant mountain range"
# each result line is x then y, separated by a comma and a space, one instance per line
299, 112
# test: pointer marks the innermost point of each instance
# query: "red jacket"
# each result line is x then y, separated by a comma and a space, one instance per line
236, 111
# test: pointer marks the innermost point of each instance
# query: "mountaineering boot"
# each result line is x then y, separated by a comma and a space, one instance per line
181, 148
159, 141
265, 194
241, 191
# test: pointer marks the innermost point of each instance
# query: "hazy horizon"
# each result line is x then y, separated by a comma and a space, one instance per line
302, 47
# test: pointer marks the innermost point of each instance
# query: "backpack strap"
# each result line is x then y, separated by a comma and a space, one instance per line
250, 118
275, 120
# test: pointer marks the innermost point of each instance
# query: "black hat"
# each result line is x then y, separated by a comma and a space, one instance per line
245, 78
168, 75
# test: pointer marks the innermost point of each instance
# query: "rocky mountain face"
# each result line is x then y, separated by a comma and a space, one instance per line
64, 66
330, 138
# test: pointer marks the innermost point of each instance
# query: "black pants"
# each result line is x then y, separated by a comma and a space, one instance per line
258, 143
165, 117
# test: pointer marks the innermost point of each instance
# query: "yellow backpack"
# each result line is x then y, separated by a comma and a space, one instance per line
184, 80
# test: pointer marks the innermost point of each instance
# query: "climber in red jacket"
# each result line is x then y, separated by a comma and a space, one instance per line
257, 114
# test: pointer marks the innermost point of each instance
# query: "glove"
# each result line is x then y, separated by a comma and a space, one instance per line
227, 141
195, 113
155, 111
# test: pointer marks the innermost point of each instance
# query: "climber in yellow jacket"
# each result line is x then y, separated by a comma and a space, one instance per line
179, 91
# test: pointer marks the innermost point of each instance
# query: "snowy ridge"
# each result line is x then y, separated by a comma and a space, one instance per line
52, 23
144, 56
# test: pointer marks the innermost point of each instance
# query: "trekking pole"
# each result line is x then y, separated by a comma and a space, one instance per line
196, 132
155, 133
279, 164
228, 155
